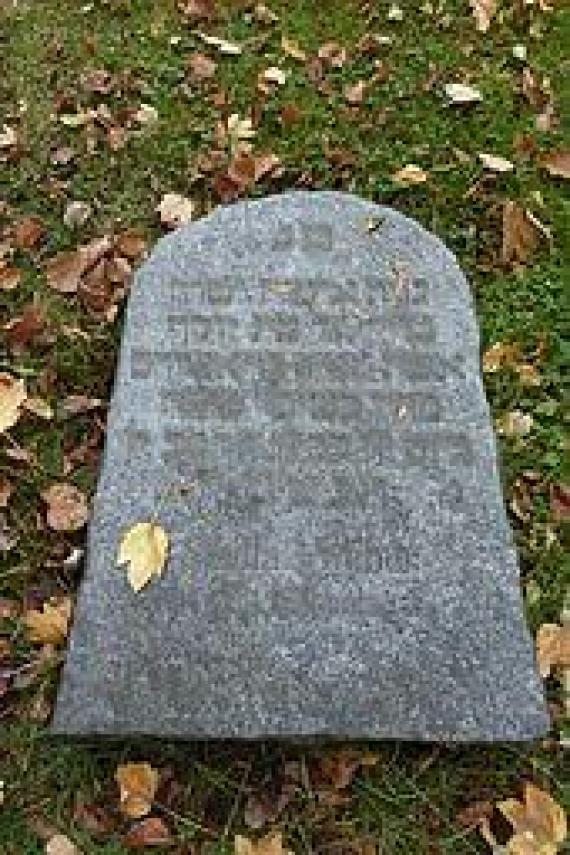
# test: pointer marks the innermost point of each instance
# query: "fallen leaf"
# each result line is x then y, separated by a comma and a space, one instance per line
483, 12
201, 67
515, 423
174, 210
333, 54
265, 15
73, 405
64, 271
67, 508
10, 277
151, 831
59, 844
292, 49
290, 115
557, 163
461, 95
539, 823
131, 243
95, 819
28, 232
354, 94
12, 397
146, 115
223, 46
522, 234
50, 625
495, 163
560, 501
238, 129
410, 175
38, 407
76, 214
197, 10
395, 13
553, 647
8, 137
271, 844
274, 75
144, 548
138, 783
335, 772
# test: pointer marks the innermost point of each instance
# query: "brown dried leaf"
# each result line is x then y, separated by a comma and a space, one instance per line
560, 501
12, 397
131, 243
22, 331
410, 175
65, 270
137, 784
557, 163
538, 821
27, 233
10, 277
67, 508
51, 624
521, 235
151, 831
553, 647
94, 819
73, 405
483, 12
38, 407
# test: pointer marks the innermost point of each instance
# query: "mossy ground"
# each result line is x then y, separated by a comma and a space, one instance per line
409, 802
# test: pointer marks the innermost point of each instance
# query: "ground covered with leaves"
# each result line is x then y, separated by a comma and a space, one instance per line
121, 119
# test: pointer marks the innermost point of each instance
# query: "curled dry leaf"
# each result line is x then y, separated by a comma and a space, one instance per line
59, 844
144, 548
410, 175
49, 625
67, 508
557, 163
495, 163
539, 823
459, 94
131, 243
197, 10
138, 783
12, 397
151, 831
522, 234
483, 12
271, 844
174, 210
553, 647
5, 492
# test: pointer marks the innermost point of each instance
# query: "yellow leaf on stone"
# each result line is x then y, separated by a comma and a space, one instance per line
538, 821
145, 549
137, 784
12, 396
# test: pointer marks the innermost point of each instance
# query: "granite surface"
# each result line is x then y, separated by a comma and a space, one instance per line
298, 402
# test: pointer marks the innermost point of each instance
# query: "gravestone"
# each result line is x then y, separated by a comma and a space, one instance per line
298, 403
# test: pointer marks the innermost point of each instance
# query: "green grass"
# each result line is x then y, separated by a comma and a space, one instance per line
409, 802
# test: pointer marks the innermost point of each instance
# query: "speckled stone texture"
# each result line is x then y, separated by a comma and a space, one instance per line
299, 404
